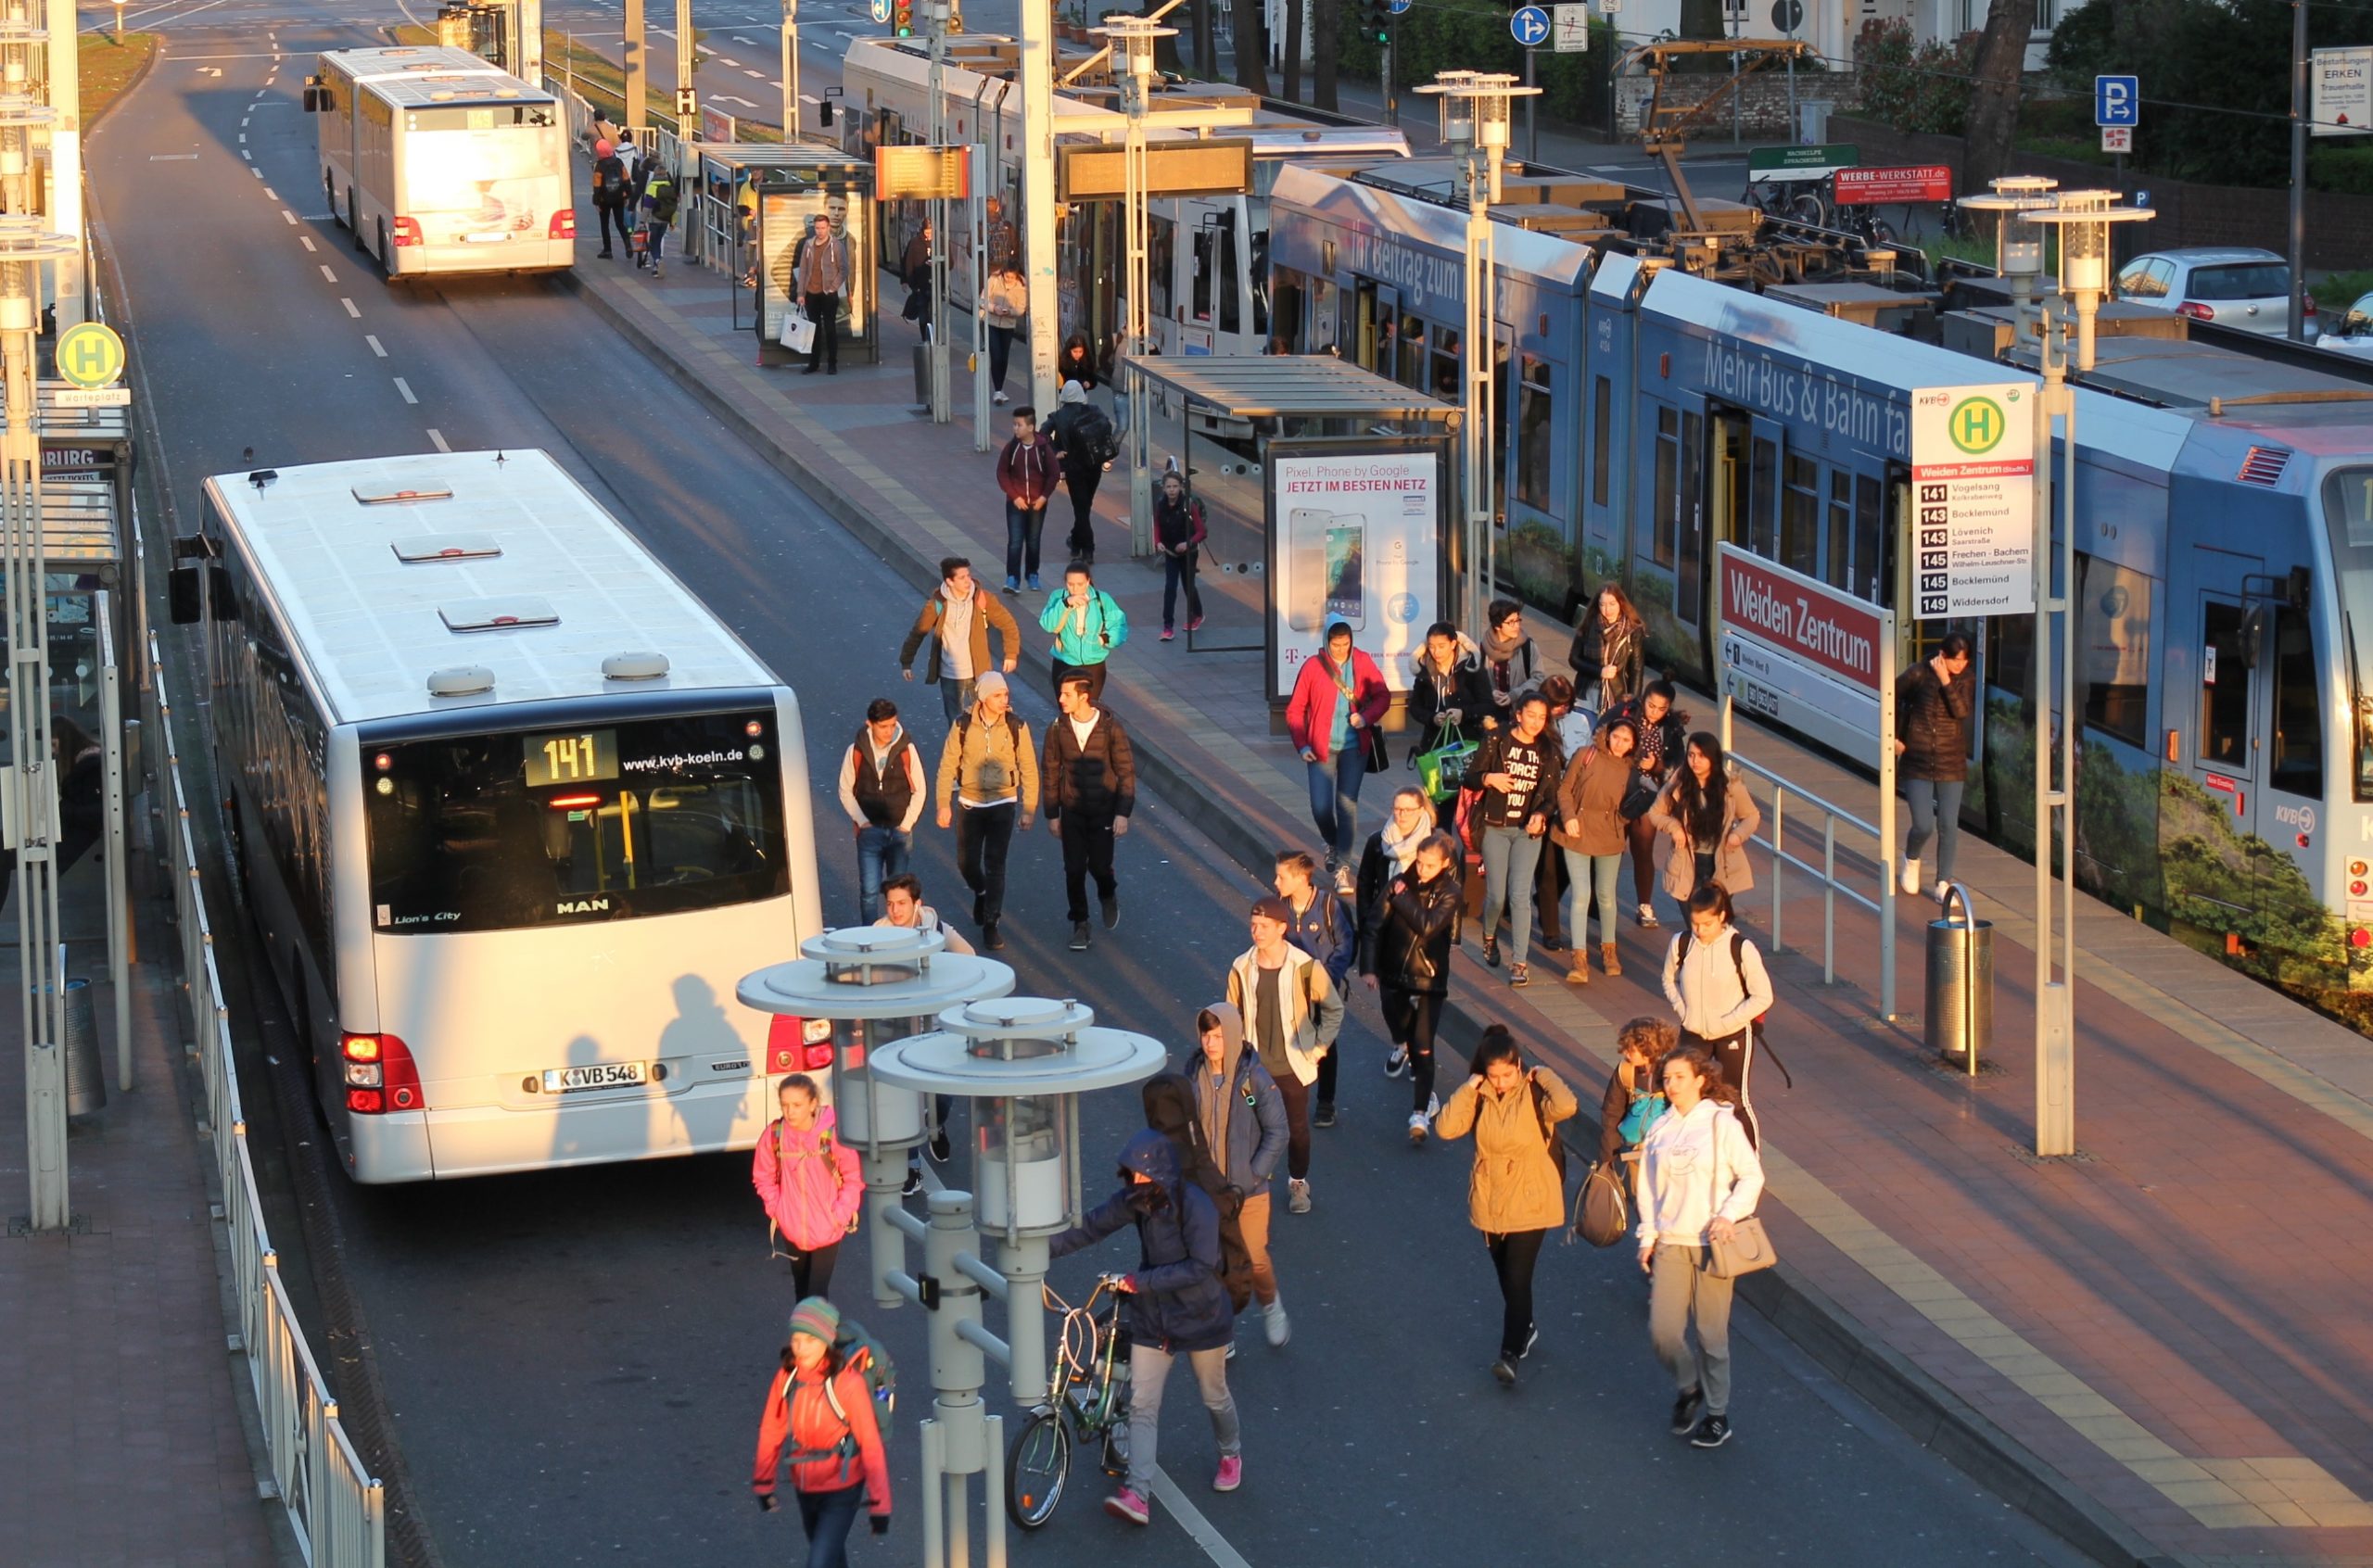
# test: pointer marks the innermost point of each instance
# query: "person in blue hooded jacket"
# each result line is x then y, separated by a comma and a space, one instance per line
1177, 1305
1088, 624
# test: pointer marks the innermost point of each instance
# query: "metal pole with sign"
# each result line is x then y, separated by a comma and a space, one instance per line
1133, 39
936, 18
790, 71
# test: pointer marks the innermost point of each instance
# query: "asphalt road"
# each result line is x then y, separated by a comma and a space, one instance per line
574, 1362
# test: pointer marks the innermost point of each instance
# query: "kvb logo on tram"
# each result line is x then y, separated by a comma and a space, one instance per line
1977, 426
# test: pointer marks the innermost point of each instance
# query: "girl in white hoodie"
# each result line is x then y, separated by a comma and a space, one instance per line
1720, 990
1698, 1177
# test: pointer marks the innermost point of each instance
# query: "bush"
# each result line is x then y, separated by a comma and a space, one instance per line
1922, 90
2347, 170
1465, 35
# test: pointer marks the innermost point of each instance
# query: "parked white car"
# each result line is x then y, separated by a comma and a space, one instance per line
2234, 287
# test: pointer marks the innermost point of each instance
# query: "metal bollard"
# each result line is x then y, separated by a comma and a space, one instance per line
1960, 981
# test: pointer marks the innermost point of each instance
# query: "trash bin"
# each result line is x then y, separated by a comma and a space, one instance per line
1960, 986
86, 1075
1812, 115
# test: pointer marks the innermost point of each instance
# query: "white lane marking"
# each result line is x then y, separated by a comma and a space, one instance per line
436, 440
172, 157
257, 56
271, 195
751, 42
406, 391
327, 274
248, 156
243, 124
722, 60
305, 240
254, 170
375, 348
729, 98
350, 310
290, 216
759, 74
1192, 1520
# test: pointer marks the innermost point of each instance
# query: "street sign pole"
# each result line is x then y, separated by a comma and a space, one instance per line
2299, 98
1531, 124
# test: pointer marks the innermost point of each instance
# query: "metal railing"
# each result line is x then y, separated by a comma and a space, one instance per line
336, 1507
1881, 902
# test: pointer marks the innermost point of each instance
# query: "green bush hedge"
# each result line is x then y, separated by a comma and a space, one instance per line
1462, 35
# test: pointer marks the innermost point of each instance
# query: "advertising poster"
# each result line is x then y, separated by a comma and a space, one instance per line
1354, 537
787, 218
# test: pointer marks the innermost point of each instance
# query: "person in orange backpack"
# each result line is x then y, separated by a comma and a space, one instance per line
818, 1418
810, 1182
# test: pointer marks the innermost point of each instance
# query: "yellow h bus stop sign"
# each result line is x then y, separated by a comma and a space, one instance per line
90, 354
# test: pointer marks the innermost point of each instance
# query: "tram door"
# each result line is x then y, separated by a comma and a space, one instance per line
1370, 325
2232, 675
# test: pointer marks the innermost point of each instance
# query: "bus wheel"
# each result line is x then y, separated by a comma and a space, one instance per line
329, 195
354, 227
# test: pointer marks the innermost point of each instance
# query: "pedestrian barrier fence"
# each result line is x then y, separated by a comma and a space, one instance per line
1880, 901
336, 1507
710, 231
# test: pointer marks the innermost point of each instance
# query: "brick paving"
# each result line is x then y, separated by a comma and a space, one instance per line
2170, 1322
121, 1441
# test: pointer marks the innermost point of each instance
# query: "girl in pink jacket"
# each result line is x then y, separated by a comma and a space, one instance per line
811, 1183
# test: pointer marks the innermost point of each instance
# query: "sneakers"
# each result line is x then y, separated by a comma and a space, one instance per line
1231, 1473
914, 1183
1647, 916
990, 940
1531, 1338
1491, 951
1519, 974
1909, 880
939, 1146
1296, 1195
1111, 904
1079, 936
1344, 884
1416, 1130
1126, 1504
1712, 1432
1944, 887
999, 396
1276, 1325
1013, 584
1504, 1370
1195, 624
1396, 1062
1684, 1411
1325, 1116
1033, 582
1168, 633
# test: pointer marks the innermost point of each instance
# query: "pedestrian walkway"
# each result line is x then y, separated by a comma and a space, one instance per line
2156, 1346
123, 1439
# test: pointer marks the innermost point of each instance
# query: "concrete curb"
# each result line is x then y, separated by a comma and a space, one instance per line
1930, 1413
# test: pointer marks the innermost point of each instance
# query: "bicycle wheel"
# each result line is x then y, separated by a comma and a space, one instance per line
1808, 209
1036, 1467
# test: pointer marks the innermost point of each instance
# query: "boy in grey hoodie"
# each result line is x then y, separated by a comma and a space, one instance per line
1243, 1120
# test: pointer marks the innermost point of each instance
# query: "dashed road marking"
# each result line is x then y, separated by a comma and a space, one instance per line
436, 440
376, 346
305, 240
248, 156
290, 216
403, 387
327, 274
349, 306
1192, 1520
271, 195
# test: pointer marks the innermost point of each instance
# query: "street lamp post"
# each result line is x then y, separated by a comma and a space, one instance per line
2083, 218
1133, 39
1475, 127
790, 71
936, 15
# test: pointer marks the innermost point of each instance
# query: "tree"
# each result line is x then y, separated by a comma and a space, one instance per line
1994, 97
1251, 69
1291, 61
1327, 31
1701, 19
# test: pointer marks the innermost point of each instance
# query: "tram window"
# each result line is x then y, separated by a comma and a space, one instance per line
1602, 432
1535, 433
1762, 498
1867, 534
1801, 515
1838, 547
1161, 238
2012, 640
2298, 707
1261, 288
1207, 243
2224, 705
1411, 371
1231, 280
1657, 527
2114, 631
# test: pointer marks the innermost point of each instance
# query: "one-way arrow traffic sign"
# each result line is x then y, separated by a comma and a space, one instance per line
1530, 26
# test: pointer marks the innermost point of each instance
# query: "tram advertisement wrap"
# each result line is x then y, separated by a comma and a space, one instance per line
1354, 537
1795, 649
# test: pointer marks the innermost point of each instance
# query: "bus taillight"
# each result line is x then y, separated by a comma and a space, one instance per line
563, 226
799, 1045
380, 1075
407, 232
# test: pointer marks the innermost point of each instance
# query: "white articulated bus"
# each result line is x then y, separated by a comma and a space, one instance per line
515, 813
443, 164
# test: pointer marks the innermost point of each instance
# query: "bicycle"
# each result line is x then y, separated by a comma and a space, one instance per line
1087, 1396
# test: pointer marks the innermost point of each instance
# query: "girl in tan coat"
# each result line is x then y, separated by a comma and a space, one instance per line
1515, 1196
1709, 817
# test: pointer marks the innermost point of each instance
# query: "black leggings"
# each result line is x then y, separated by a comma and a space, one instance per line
811, 1271
1644, 860
1410, 1019
1735, 1054
1513, 1254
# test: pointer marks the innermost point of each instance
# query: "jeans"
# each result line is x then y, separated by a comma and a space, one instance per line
1087, 850
1410, 1019
955, 697
1296, 1094
984, 834
1094, 674
1082, 486
1936, 814
1680, 1289
824, 309
1513, 1254
1022, 527
1594, 878
1148, 1370
828, 1517
1000, 355
1511, 856
811, 1271
1177, 569
1335, 796
655, 240
881, 855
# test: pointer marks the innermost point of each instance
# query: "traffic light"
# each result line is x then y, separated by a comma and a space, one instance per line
902, 17
1380, 19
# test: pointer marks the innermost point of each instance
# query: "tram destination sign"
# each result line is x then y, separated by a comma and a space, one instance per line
1973, 500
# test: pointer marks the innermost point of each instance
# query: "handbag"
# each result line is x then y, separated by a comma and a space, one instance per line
1602, 1209
1442, 767
1639, 797
1748, 1250
798, 333
1373, 756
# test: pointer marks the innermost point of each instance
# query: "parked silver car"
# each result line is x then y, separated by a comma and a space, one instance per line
2234, 287
2354, 333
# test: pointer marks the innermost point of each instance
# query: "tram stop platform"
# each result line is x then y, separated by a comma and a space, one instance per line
2157, 1347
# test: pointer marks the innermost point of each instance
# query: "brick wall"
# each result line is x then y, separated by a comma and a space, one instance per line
1762, 100
2339, 228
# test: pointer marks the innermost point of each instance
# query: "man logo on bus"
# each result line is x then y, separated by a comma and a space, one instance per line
1977, 426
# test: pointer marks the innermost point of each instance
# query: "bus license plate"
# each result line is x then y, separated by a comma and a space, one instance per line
495, 238
594, 1075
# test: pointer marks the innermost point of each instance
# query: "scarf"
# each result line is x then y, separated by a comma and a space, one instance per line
1500, 651
1402, 851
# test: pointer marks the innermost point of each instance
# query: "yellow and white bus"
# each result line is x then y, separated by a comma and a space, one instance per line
443, 164
514, 811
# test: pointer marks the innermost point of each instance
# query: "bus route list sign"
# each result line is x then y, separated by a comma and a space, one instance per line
1973, 500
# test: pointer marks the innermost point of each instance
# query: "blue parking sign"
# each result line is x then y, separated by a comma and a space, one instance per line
2117, 100
1530, 26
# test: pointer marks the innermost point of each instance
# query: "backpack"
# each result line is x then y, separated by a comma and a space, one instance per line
852, 1349
1603, 1210
661, 196
1738, 962
1097, 436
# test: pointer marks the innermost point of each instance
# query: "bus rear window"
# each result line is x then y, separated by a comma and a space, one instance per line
568, 826
479, 116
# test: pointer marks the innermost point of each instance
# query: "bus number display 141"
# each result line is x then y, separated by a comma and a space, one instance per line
582, 758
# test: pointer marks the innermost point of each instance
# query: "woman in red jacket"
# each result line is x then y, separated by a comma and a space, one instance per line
819, 1417
1339, 698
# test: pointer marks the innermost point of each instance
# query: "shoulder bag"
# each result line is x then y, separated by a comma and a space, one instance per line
1749, 1249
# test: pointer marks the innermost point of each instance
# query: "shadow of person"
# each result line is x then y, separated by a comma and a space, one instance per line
698, 1034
